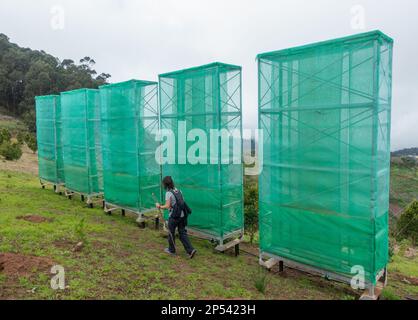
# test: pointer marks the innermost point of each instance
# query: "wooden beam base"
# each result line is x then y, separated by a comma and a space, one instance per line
229, 245
372, 294
269, 264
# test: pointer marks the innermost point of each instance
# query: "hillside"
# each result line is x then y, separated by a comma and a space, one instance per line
40, 229
405, 152
120, 261
404, 186
26, 73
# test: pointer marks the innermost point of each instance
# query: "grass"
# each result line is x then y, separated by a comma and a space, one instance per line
261, 281
404, 185
121, 261
79, 231
389, 294
403, 274
13, 125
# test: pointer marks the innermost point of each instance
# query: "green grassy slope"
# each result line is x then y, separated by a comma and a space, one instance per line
403, 268
403, 274
12, 124
404, 185
121, 261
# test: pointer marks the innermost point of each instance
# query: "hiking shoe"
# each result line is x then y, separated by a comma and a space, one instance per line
192, 254
166, 250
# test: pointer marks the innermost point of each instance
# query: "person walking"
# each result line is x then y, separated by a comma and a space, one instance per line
178, 214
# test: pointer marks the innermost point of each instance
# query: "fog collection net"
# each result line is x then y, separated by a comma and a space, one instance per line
80, 110
205, 98
324, 189
48, 129
129, 116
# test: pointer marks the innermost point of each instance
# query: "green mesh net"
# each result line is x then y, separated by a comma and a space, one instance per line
80, 111
129, 115
48, 130
205, 98
324, 189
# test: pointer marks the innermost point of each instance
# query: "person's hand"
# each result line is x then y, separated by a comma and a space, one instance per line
157, 205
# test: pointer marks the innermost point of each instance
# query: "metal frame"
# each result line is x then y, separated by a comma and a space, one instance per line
88, 198
270, 81
372, 291
144, 99
234, 237
110, 207
57, 186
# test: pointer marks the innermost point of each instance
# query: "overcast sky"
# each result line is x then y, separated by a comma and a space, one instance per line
141, 39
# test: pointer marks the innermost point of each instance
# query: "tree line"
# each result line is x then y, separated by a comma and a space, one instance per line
405, 152
26, 73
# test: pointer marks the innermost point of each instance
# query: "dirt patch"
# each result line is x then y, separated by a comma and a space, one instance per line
405, 279
34, 219
250, 249
13, 264
65, 244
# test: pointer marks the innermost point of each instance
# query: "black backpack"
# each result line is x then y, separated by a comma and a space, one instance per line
180, 206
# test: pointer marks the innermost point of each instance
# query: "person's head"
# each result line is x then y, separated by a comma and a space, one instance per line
168, 183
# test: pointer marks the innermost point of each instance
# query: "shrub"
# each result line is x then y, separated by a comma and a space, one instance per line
79, 231
31, 142
5, 135
409, 162
407, 226
391, 248
260, 281
10, 151
20, 138
29, 119
251, 210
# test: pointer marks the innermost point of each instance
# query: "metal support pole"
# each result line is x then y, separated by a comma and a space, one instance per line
281, 266
237, 250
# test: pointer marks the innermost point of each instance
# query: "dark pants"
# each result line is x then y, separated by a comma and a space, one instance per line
179, 224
